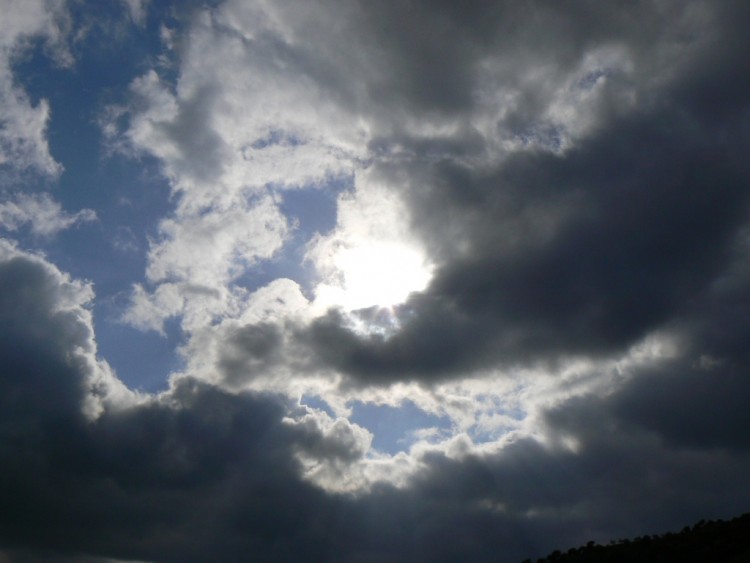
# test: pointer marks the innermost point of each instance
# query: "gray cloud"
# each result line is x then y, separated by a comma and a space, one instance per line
551, 240
545, 254
163, 480
250, 351
204, 474
654, 227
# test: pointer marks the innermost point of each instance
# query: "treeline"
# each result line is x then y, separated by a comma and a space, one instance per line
716, 541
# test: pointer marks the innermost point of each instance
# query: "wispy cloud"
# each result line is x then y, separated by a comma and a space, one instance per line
43, 215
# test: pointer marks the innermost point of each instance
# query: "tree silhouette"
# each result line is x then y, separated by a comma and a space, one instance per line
715, 541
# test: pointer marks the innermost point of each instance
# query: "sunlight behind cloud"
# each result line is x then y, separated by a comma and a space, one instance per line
374, 281
374, 274
372, 258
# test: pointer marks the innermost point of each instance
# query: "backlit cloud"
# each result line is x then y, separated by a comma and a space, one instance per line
358, 281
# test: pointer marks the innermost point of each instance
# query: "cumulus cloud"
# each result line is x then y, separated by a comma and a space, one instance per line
227, 154
141, 478
50, 342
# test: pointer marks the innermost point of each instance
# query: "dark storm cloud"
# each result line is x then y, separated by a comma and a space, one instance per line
639, 226
691, 404
36, 341
647, 221
425, 59
154, 481
584, 251
698, 399
203, 474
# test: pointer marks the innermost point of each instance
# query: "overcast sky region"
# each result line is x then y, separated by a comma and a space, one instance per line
358, 281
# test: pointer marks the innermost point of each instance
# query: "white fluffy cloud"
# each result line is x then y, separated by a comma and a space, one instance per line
23, 142
236, 131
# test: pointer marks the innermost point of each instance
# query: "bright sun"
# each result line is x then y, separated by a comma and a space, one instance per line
374, 274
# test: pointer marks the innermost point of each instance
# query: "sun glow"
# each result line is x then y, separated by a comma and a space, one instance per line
374, 274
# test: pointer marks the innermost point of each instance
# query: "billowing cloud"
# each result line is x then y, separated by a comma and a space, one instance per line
49, 344
524, 227
201, 473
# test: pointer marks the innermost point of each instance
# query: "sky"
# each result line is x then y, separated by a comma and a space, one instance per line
360, 281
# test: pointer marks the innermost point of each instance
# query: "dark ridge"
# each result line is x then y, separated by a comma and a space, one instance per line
715, 541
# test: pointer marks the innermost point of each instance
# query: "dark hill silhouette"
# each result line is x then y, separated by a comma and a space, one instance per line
715, 542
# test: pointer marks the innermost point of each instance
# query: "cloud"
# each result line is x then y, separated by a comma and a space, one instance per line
43, 215
570, 184
50, 344
573, 194
708, 377
138, 10
582, 247
121, 465
197, 257
562, 191
224, 154
200, 472
620, 261
23, 142
370, 258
